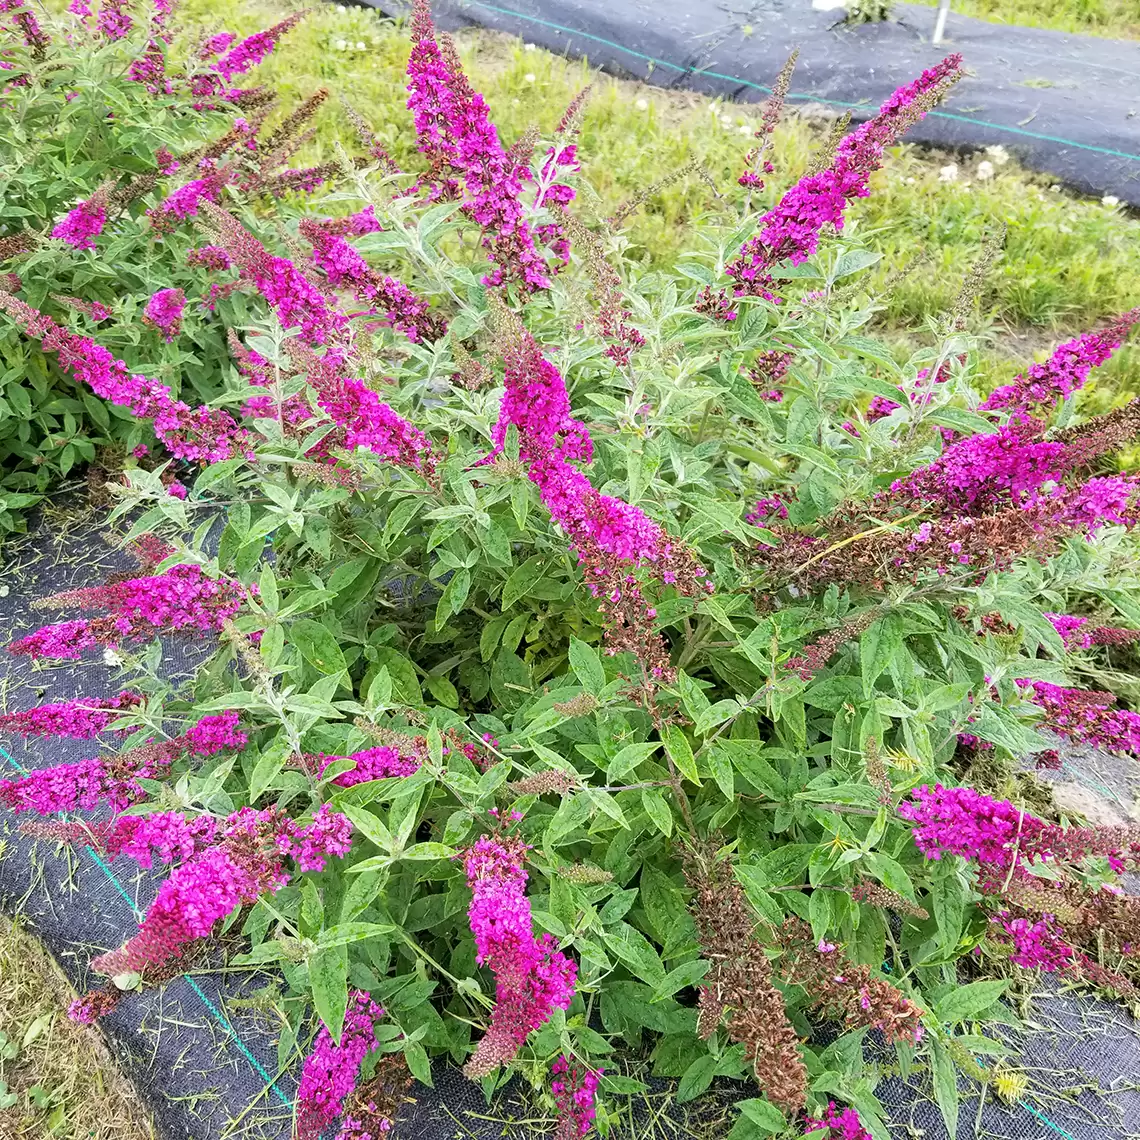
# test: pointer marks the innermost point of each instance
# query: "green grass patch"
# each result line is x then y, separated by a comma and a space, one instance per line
1119, 19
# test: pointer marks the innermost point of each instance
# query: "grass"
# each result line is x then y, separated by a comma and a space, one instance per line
1117, 18
61, 1079
1068, 262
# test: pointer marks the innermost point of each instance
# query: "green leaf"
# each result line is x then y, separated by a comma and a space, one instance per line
958, 419
418, 1065
803, 421
965, 1002
653, 800
268, 768
318, 645
405, 683
697, 1078
608, 805
949, 907
862, 795
687, 975
587, 666
636, 953
854, 261
345, 932
429, 851
328, 976
372, 827
755, 885
617, 907
522, 580
680, 751
945, 1077
764, 1115
628, 758
881, 641
510, 680
721, 766
785, 864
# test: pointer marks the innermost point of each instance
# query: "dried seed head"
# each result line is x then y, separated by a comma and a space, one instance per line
581, 705
248, 652
739, 983
584, 874
874, 894
552, 780
521, 151
471, 373
975, 279
824, 157
571, 122
631, 205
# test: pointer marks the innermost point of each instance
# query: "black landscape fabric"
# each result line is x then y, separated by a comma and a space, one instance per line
1067, 105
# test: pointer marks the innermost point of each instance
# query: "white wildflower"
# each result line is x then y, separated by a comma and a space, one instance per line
948, 173
999, 156
642, 104
1110, 200
985, 171
529, 77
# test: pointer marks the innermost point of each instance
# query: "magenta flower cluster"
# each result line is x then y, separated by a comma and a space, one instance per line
988, 470
1079, 633
80, 719
168, 837
962, 821
216, 733
836, 1124
1064, 372
533, 977
536, 402
1086, 716
371, 764
200, 434
454, 128
247, 861
83, 784
1036, 944
164, 311
791, 230
83, 223
250, 51
331, 1070
180, 599
114, 779
342, 265
574, 1092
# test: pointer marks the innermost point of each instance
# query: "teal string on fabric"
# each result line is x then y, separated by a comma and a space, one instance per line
224, 1023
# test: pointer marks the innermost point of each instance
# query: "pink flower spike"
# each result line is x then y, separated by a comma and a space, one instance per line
330, 1071
84, 222
81, 719
532, 976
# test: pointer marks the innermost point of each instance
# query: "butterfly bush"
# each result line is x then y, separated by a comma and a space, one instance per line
595, 660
